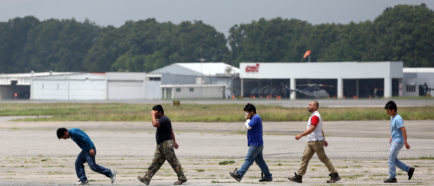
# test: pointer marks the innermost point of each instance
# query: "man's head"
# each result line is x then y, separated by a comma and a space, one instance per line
159, 111
250, 110
313, 106
391, 108
62, 133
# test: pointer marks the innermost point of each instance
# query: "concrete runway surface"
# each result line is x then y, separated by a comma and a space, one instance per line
31, 154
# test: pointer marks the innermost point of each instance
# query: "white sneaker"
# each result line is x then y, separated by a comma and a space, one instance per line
82, 182
113, 177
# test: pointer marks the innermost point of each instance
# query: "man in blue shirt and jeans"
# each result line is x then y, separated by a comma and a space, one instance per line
397, 141
86, 155
256, 145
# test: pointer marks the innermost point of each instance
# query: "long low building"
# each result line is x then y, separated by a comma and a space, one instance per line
321, 79
96, 86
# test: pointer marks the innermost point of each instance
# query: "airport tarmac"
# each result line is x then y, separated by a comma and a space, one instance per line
31, 154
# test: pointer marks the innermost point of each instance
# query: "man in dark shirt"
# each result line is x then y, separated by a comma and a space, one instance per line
165, 144
86, 155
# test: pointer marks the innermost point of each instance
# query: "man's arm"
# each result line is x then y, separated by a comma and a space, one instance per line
174, 140
155, 122
308, 131
325, 142
404, 134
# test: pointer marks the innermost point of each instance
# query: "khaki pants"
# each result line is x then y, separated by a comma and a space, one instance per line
313, 147
163, 152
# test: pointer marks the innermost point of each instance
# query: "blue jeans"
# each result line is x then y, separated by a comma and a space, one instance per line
86, 157
255, 154
393, 159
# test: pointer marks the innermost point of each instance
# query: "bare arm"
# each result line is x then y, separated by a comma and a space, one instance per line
308, 131
174, 140
325, 142
404, 134
155, 122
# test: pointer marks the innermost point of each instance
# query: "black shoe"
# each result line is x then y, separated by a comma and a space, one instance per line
334, 177
296, 178
144, 180
390, 180
410, 173
265, 179
235, 175
180, 182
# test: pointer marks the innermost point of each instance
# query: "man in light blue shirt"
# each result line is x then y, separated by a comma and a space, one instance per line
86, 155
397, 140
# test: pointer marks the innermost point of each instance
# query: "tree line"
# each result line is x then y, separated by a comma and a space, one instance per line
402, 33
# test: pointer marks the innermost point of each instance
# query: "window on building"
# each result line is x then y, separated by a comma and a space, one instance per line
411, 88
178, 89
154, 78
191, 89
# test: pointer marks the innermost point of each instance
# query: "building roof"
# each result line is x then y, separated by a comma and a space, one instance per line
198, 69
418, 70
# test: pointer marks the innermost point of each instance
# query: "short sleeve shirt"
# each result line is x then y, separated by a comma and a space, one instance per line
164, 132
254, 135
396, 123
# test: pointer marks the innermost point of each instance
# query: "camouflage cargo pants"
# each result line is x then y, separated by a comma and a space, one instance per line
163, 152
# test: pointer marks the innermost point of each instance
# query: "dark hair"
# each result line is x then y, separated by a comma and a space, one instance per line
158, 108
250, 107
391, 105
61, 132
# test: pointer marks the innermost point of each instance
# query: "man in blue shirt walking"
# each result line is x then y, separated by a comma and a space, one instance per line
256, 145
86, 155
397, 141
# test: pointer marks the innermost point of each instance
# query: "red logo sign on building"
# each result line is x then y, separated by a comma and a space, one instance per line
252, 68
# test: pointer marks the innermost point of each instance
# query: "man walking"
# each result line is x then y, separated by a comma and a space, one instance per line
256, 145
87, 154
165, 144
397, 141
315, 144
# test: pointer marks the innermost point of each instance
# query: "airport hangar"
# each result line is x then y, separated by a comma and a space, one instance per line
339, 79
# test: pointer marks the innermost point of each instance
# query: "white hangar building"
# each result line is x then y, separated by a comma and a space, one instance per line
198, 80
322, 79
96, 86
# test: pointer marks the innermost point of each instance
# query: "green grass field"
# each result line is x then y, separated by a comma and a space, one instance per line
195, 113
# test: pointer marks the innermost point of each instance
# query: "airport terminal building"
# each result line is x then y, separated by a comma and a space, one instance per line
321, 79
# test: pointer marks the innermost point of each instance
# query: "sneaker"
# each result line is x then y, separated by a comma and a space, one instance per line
334, 177
235, 175
113, 177
82, 182
410, 173
390, 180
144, 180
296, 178
180, 182
265, 179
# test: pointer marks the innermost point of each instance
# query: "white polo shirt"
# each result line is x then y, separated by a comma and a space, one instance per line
315, 135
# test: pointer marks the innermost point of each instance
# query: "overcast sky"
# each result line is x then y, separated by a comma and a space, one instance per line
222, 14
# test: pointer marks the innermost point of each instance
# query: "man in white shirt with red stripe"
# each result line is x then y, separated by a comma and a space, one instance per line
315, 144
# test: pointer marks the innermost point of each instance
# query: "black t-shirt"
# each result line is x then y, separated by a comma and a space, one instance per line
164, 132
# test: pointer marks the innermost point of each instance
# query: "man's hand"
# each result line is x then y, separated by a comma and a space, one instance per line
326, 144
153, 112
390, 141
175, 145
298, 137
407, 145
92, 152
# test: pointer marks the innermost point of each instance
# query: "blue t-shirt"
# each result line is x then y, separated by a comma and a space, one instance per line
254, 135
82, 139
396, 123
